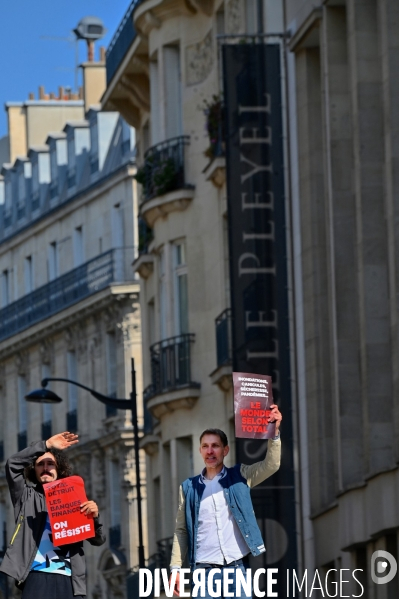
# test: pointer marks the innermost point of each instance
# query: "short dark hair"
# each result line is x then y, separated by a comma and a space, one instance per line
216, 431
63, 466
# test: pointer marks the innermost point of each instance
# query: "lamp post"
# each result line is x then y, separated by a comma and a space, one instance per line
44, 395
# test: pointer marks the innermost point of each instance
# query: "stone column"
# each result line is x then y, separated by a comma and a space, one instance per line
372, 259
341, 231
388, 22
315, 275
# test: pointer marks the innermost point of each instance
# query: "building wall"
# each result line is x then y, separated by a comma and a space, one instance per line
91, 339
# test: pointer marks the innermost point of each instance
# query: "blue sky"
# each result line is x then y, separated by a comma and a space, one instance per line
29, 58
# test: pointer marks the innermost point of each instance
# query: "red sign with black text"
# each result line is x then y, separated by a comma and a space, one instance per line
64, 498
253, 397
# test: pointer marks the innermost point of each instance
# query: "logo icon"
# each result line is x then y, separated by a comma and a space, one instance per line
380, 573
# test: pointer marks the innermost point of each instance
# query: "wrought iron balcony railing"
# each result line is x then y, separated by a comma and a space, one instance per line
164, 168
121, 42
70, 288
224, 344
170, 365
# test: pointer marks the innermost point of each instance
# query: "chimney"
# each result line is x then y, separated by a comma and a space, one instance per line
31, 96
52, 96
102, 53
94, 82
41, 92
60, 93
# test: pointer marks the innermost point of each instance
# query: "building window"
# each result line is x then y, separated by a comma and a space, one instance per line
78, 247
5, 288
28, 274
72, 414
172, 86
22, 413
111, 369
180, 289
52, 262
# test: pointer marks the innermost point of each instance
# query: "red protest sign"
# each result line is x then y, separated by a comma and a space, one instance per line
64, 498
253, 397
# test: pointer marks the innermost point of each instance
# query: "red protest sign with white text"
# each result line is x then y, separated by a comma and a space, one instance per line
253, 397
64, 498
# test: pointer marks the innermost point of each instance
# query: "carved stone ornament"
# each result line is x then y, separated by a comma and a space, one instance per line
235, 17
46, 351
22, 363
199, 60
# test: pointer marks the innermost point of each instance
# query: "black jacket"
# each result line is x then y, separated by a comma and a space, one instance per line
30, 512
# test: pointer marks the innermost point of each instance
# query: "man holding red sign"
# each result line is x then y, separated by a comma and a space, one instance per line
40, 567
215, 520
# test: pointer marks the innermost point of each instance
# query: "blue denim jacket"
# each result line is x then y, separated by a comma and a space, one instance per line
238, 497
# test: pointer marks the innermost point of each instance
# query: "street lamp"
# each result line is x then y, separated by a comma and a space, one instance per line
44, 395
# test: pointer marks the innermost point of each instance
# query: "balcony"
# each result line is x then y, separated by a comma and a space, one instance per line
163, 178
171, 386
144, 264
121, 42
74, 286
224, 352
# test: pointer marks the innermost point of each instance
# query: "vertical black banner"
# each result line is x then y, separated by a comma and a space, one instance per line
258, 271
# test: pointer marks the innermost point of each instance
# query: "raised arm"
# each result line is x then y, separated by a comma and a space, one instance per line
16, 465
257, 473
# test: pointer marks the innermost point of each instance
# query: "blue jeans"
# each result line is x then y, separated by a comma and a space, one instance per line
217, 579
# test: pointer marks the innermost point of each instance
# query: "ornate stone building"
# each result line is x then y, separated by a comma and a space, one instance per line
70, 309
340, 113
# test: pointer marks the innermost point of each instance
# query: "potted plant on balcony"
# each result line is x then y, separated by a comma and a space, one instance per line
214, 126
157, 176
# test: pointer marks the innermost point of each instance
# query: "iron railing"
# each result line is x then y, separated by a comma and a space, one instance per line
170, 365
46, 429
115, 536
121, 42
70, 288
224, 351
22, 440
72, 421
164, 168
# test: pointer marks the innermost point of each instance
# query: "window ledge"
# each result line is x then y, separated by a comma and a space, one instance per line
216, 171
161, 206
169, 401
222, 377
144, 265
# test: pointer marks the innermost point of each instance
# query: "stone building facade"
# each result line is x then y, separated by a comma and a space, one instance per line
70, 309
341, 131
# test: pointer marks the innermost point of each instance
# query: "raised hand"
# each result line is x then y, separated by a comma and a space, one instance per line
62, 441
90, 508
275, 416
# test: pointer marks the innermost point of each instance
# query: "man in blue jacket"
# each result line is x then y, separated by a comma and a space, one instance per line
41, 569
215, 520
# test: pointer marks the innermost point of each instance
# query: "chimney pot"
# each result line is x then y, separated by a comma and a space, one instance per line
61, 92
41, 92
102, 53
31, 96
